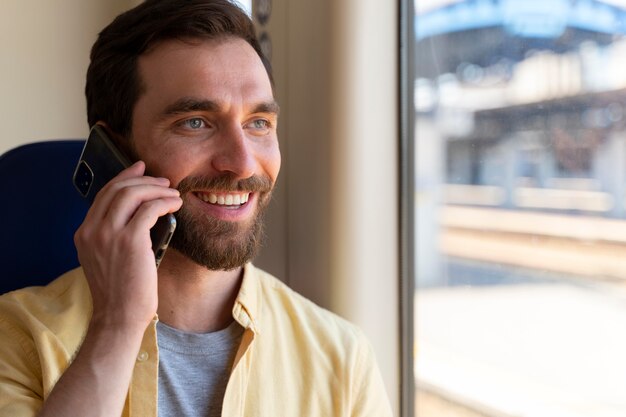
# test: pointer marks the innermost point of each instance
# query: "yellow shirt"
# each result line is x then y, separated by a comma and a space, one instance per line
295, 358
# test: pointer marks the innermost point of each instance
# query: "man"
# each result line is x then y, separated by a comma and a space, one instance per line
182, 87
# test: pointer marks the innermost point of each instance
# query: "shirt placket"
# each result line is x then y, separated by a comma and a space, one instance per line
142, 394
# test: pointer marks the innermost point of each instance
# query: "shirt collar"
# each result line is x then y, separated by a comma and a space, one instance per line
246, 310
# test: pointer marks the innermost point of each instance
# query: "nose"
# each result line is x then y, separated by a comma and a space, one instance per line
234, 153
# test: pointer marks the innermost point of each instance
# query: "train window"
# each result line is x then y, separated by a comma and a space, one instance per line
520, 199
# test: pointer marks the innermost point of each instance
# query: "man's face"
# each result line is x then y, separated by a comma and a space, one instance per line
207, 121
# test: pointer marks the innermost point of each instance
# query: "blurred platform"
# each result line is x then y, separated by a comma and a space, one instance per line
541, 348
580, 246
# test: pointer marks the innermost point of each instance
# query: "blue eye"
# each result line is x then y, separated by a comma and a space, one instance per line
260, 124
194, 123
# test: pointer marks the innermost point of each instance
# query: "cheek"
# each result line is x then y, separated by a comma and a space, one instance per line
171, 164
180, 161
272, 162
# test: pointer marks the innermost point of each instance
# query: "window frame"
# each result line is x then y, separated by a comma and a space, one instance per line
407, 225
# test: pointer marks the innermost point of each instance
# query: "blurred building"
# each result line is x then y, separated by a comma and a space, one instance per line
523, 101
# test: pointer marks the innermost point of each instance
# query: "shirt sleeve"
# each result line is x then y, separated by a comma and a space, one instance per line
21, 385
370, 397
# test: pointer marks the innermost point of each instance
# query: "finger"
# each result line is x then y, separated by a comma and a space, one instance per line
101, 201
127, 200
149, 212
107, 194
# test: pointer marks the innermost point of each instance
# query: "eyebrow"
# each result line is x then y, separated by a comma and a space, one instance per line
267, 107
190, 104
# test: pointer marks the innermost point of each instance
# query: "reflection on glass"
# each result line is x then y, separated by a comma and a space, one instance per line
520, 200
245, 5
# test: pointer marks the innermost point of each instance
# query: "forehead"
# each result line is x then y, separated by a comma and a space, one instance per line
219, 69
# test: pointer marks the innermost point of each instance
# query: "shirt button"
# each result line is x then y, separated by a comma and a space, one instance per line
143, 356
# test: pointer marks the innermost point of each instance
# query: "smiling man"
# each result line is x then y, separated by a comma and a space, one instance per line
183, 88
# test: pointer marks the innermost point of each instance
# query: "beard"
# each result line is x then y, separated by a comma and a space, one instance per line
218, 244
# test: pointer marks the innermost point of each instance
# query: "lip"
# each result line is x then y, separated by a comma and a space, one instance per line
222, 212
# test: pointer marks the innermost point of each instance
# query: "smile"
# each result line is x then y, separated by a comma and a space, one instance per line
224, 199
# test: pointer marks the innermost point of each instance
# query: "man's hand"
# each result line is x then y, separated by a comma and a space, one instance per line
115, 249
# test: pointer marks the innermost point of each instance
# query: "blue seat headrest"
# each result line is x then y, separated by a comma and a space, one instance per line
39, 214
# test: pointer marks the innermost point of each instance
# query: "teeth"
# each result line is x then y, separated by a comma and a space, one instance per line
224, 199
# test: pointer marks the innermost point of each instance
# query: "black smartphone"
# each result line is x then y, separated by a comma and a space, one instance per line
99, 162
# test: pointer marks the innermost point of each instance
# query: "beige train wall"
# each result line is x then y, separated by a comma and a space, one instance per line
333, 228
45, 52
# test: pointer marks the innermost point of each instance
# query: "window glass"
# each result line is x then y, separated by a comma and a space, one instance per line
246, 5
520, 177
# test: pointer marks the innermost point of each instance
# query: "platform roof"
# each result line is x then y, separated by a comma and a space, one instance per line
481, 31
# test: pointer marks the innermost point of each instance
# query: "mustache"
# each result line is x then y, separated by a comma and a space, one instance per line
225, 183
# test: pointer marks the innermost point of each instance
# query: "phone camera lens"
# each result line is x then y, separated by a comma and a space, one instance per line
83, 178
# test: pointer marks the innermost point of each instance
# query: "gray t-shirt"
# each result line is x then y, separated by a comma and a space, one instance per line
194, 369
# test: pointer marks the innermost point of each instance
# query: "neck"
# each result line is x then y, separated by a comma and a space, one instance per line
193, 298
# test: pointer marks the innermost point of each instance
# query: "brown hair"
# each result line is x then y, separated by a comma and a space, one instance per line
113, 83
